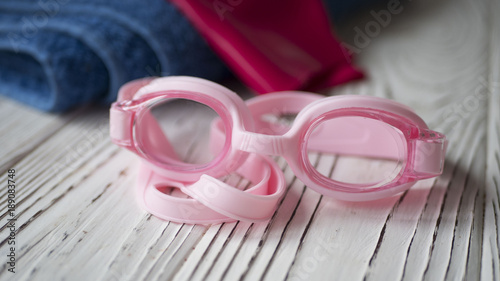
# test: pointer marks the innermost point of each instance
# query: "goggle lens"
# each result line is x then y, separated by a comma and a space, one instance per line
180, 134
356, 151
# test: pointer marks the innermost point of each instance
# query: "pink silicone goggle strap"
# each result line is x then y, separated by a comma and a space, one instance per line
257, 204
213, 201
168, 207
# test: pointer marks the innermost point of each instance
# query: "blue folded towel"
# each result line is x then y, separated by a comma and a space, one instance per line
56, 54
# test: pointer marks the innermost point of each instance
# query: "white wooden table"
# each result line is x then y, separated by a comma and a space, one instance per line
76, 216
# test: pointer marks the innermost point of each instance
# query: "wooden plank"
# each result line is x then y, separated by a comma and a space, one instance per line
22, 129
490, 262
207, 251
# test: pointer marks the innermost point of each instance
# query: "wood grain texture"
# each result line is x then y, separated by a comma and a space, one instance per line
77, 218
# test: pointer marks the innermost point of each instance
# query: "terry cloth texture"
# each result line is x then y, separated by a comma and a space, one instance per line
56, 54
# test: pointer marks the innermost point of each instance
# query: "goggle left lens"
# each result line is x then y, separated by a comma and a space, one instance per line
175, 132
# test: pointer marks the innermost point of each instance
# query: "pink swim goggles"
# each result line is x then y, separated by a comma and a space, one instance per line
389, 146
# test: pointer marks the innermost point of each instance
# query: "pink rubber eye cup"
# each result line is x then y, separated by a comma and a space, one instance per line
352, 131
137, 124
